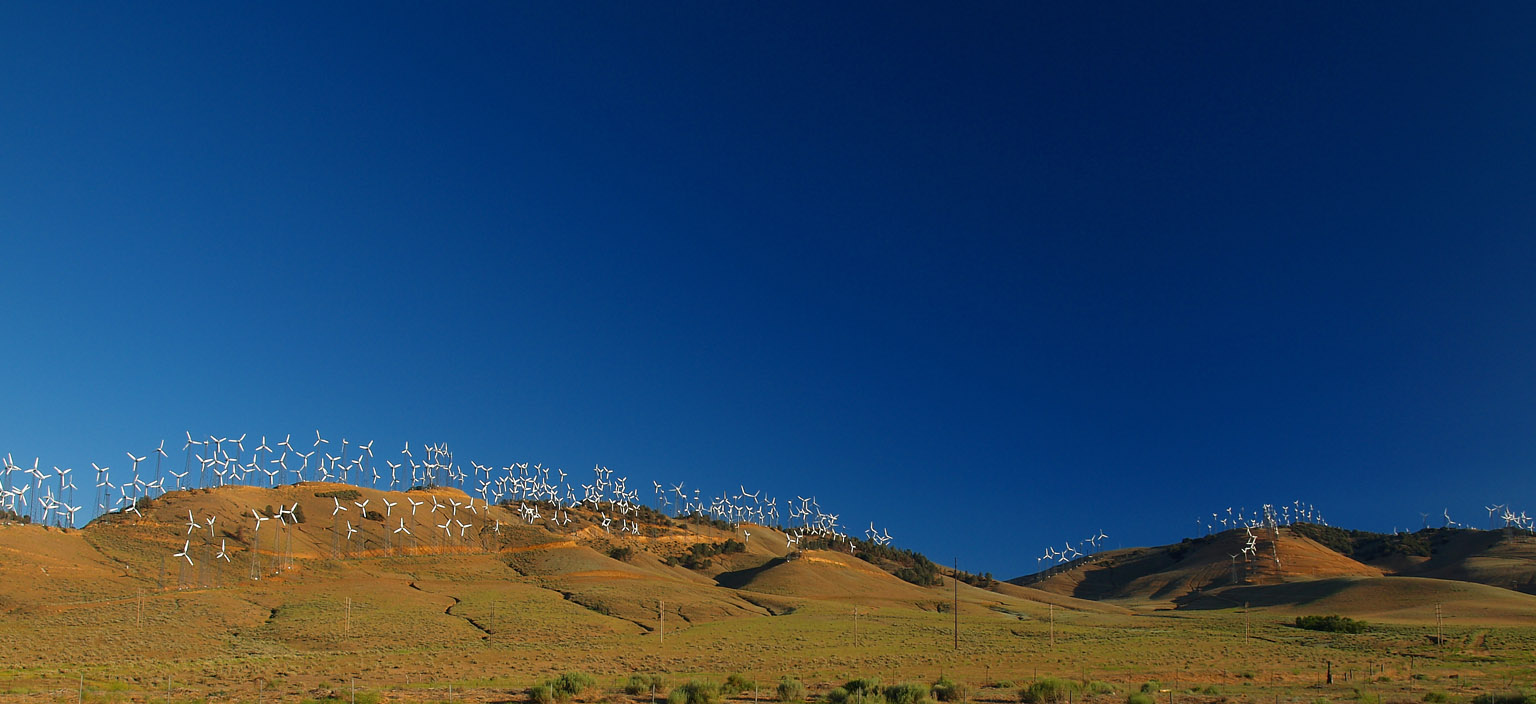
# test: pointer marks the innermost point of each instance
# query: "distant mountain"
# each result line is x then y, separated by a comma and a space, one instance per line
1310, 565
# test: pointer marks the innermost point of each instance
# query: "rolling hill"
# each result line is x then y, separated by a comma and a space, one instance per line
1307, 568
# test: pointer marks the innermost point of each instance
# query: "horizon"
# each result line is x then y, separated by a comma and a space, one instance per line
993, 277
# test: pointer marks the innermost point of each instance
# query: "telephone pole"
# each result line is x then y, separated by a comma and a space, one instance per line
956, 608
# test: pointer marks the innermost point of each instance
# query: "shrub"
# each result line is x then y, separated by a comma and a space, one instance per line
735, 684
621, 553
907, 693
1504, 698
1151, 687
1436, 697
541, 694
573, 683
864, 694
641, 684
948, 690
1140, 698
340, 494
869, 686
695, 692
790, 690
1097, 687
1330, 624
1047, 690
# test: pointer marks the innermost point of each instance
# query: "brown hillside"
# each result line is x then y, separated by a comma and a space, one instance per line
1168, 573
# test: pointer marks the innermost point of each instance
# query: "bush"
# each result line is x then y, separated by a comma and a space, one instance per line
948, 690
1504, 698
340, 494
1151, 687
642, 684
695, 692
790, 690
735, 684
541, 694
1097, 687
1047, 690
865, 692
870, 686
1436, 697
569, 685
621, 553
1330, 624
907, 693
1140, 698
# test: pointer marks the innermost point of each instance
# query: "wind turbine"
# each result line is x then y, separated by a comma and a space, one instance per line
183, 554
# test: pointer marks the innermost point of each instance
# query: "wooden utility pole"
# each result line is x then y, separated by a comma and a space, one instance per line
956, 608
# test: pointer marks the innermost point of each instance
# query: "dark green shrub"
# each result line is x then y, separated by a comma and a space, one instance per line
736, 684
621, 553
541, 694
868, 685
907, 693
1048, 690
1436, 697
340, 494
1330, 624
948, 690
695, 692
570, 684
642, 684
790, 690
1140, 698
864, 695
1504, 698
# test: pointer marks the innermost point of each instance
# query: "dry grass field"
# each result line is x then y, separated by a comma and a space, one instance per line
480, 614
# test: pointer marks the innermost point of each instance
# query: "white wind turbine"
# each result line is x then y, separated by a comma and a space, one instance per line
184, 550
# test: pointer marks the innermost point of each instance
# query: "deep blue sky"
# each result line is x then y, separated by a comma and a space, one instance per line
993, 276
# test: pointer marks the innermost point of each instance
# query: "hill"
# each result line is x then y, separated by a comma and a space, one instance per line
1488, 576
284, 566
1171, 572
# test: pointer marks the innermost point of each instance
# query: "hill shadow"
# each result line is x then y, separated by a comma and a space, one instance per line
1289, 594
738, 579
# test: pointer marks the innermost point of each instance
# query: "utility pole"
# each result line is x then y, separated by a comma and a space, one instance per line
661, 610
956, 608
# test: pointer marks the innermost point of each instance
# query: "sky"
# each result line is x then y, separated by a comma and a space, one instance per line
995, 276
